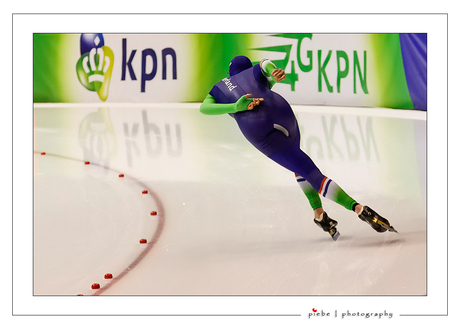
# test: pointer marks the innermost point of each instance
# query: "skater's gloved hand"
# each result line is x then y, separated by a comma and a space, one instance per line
247, 103
278, 74
254, 103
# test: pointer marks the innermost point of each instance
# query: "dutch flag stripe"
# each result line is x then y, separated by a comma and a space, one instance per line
300, 178
324, 184
327, 187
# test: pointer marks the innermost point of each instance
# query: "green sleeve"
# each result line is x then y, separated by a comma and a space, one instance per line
267, 68
211, 107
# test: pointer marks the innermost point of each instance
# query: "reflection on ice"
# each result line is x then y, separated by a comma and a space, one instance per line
235, 223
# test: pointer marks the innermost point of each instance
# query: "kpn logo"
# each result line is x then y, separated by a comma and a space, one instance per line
94, 68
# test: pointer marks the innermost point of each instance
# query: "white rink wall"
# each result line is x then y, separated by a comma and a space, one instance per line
181, 143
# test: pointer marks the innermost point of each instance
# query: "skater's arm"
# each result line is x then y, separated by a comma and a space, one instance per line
211, 107
271, 72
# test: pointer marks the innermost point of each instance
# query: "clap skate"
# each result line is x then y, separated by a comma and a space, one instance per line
377, 222
328, 225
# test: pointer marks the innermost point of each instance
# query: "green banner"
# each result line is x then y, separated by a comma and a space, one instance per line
365, 70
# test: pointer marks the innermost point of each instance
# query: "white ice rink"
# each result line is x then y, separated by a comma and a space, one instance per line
233, 239
229, 222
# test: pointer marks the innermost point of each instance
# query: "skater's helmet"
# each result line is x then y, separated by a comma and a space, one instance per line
239, 64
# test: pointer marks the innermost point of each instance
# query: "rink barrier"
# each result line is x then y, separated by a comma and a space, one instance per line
362, 111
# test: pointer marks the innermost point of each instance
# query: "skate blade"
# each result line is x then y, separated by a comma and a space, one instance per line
385, 226
334, 234
391, 229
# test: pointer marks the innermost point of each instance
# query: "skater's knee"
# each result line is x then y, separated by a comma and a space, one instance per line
315, 179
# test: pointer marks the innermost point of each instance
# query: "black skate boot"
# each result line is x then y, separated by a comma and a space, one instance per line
377, 222
328, 225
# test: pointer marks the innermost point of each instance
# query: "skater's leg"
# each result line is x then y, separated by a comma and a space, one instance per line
321, 218
311, 194
295, 160
330, 190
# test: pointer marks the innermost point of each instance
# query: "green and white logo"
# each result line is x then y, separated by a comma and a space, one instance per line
94, 68
351, 64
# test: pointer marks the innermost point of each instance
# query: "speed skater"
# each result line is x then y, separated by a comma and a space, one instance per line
268, 122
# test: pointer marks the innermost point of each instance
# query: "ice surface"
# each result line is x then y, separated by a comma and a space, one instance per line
230, 222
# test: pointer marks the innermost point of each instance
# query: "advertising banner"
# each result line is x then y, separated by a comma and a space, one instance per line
364, 70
